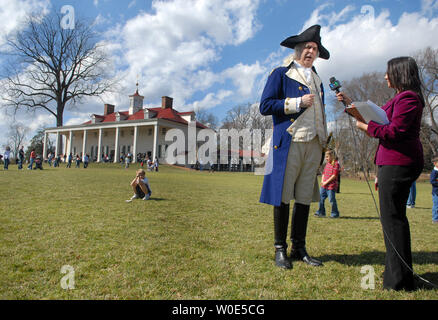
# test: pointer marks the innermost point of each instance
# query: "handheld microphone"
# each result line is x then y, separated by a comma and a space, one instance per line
335, 85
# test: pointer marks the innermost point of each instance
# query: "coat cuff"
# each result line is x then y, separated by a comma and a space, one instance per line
372, 126
292, 105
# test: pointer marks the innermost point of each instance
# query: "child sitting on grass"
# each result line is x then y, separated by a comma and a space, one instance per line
141, 187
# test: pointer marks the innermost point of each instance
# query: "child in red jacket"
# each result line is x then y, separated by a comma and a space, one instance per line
329, 185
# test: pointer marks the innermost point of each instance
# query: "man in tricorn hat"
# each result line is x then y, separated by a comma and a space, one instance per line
293, 95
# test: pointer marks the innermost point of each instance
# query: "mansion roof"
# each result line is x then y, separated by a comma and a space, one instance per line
137, 114
148, 113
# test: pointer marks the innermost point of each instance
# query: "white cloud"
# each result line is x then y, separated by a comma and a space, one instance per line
172, 47
428, 7
317, 17
244, 77
131, 4
99, 20
211, 100
13, 14
78, 120
41, 120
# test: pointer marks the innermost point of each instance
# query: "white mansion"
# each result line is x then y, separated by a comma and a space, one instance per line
138, 130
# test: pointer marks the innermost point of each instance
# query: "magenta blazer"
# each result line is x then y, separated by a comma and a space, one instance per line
399, 141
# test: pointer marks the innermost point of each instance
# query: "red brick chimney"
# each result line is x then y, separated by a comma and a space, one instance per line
166, 102
109, 108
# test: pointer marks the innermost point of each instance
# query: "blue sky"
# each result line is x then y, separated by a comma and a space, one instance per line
216, 54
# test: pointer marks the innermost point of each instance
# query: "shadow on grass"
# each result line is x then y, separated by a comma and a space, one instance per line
362, 193
156, 199
430, 281
359, 218
377, 257
347, 217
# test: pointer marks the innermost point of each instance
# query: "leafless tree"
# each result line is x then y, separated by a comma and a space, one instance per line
427, 60
16, 135
246, 119
207, 118
258, 121
52, 67
237, 117
247, 116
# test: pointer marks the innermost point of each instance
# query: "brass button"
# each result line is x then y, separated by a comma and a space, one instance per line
275, 147
292, 120
300, 88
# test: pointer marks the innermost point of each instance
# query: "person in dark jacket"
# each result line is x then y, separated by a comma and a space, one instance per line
434, 182
293, 96
399, 158
21, 158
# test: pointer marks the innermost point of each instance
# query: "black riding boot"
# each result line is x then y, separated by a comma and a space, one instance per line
281, 221
300, 217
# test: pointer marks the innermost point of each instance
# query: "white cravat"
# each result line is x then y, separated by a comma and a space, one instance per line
307, 72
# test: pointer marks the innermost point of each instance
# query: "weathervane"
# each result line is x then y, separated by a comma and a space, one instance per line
137, 84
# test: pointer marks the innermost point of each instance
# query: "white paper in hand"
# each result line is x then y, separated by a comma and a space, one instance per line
370, 111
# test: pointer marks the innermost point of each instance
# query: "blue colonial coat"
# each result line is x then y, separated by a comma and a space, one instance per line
279, 87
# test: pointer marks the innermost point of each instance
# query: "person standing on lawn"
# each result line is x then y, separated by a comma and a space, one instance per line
329, 185
293, 96
399, 158
31, 159
412, 196
434, 182
20, 158
6, 157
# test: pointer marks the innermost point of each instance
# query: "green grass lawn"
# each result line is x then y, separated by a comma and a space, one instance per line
201, 236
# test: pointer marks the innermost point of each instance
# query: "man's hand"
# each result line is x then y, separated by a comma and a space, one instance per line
307, 100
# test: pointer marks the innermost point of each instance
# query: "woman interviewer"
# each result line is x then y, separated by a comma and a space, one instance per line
399, 158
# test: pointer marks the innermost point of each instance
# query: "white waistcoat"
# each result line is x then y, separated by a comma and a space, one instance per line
312, 122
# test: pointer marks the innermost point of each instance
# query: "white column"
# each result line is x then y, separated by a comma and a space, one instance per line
70, 144
57, 143
84, 144
116, 151
45, 145
154, 152
99, 146
134, 146
65, 144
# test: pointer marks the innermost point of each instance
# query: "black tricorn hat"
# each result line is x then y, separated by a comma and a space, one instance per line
309, 35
